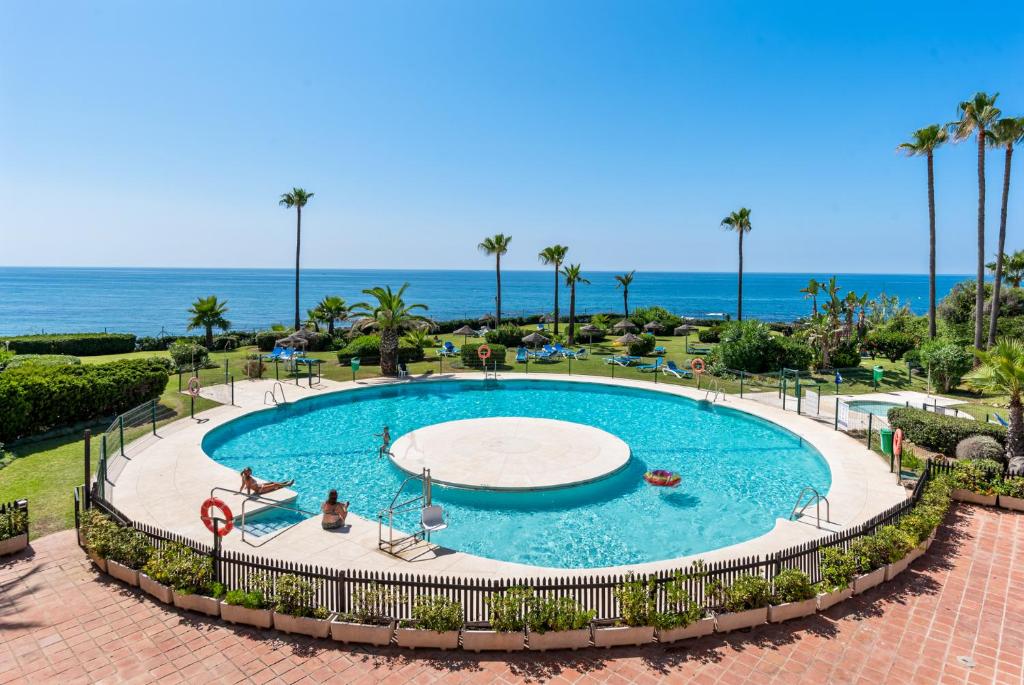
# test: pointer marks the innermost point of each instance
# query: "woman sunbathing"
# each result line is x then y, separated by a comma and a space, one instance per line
254, 487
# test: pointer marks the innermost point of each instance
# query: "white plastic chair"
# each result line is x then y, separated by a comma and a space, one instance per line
432, 519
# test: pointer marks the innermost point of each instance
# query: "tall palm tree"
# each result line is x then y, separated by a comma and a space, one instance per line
976, 115
850, 303
572, 277
1002, 372
297, 198
314, 317
332, 309
496, 245
208, 312
925, 141
1004, 133
554, 255
821, 332
390, 316
1013, 268
862, 311
740, 222
811, 293
624, 281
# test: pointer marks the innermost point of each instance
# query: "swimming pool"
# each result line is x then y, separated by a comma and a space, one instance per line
873, 407
739, 472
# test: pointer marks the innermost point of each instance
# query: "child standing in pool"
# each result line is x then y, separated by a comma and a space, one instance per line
385, 447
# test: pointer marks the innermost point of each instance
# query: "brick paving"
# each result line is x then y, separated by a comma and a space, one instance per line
61, 621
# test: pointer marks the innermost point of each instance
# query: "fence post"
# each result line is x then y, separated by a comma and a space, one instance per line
870, 419
215, 574
799, 396
152, 414
120, 430
783, 387
837, 414
179, 380
232, 391
88, 468
742, 374
226, 362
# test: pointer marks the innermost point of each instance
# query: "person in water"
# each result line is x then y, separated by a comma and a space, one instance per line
385, 447
334, 512
254, 487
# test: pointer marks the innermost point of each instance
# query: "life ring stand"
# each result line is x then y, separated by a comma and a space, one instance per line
484, 352
897, 442
204, 516
194, 386
697, 364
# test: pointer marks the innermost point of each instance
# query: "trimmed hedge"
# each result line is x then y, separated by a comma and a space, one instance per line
367, 348
36, 398
938, 432
40, 360
76, 344
508, 335
471, 360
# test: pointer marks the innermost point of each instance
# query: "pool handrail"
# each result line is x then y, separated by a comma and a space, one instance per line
266, 501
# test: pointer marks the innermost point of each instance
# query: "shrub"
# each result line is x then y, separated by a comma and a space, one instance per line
471, 360
891, 344
509, 608
867, 554
437, 613
98, 532
42, 360
373, 605
508, 335
77, 344
13, 523
751, 346
644, 346
130, 548
792, 585
226, 342
938, 432
794, 354
557, 614
181, 567
5, 357
636, 601
1008, 487
240, 598
980, 447
893, 543
710, 335
917, 524
746, 592
156, 344
188, 355
838, 568
846, 355
977, 475
644, 315
946, 361
37, 398
367, 348
680, 608
253, 366
297, 597
265, 340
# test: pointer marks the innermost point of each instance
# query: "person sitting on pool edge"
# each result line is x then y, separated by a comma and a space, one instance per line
254, 487
334, 512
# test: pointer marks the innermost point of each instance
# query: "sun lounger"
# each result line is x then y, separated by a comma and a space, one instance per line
651, 367
670, 367
522, 355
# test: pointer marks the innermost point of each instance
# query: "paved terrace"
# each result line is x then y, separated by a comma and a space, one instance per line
167, 478
61, 621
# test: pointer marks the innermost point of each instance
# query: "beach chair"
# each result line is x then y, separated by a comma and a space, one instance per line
448, 349
287, 354
275, 355
659, 351
670, 367
522, 355
403, 370
1001, 420
651, 367
547, 352
621, 360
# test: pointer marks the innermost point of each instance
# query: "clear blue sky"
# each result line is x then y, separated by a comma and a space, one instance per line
161, 134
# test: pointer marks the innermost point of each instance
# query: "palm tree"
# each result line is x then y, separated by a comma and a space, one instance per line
496, 245
1004, 133
572, 277
926, 141
313, 318
739, 222
1013, 268
1002, 371
333, 308
811, 293
208, 312
297, 198
975, 117
624, 280
862, 311
554, 255
390, 317
821, 332
850, 303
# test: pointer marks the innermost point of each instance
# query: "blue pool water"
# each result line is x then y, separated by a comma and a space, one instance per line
870, 407
739, 472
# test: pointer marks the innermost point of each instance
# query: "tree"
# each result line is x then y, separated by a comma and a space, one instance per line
208, 312
332, 309
926, 141
850, 304
1002, 372
1013, 268
572, 277
297, 198
496, 245
811, 293
624, 280
740, 222
554, 255
1004, 133
390, 316
313, 318
822, 333
976, 115
862, 312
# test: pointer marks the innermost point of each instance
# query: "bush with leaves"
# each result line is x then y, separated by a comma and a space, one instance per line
644, 346
938, 432
636, 600
846, 355
946, 362
367, 348
98, 532
867, 554
471, 359
507, 334
890, 344
838, 567
188, 355
13, 523
746, 592
42, 360
508, 609
977, 475
557, 614
259, 595
644, 315
1011, 487
182, 568
980, 447
893, 543
680, 608
373, 605
437, 613
751, 346
77, 344
792, 585
296, 596
710, 335
129, 547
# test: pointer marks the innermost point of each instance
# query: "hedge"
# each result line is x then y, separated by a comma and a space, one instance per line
367, 348
37, 398
471, 359
76, 344
938, 432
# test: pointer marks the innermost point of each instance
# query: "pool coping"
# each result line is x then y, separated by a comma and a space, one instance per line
166, 479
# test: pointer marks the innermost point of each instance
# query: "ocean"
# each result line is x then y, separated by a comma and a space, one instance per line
148, 301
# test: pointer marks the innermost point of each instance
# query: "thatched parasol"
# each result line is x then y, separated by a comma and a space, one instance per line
465, 332
628, 339
299, 338
486, 317
625, 325
684, 330
653, 327
590, 330
535, 339
548, 318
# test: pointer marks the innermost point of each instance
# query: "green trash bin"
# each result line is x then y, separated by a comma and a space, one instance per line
876, 375
886, 434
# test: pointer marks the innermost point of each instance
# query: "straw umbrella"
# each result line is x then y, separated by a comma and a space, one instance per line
625, 325
465, 332
549, 318
685, 331
535, 339
653, 327
628, 339
590, 329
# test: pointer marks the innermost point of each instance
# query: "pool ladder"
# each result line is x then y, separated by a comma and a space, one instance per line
815, 498
272, 395
389, 543
714, 392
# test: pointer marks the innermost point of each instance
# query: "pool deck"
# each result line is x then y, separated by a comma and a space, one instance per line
165, 479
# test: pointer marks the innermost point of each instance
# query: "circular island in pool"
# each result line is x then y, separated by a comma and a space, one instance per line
740, 473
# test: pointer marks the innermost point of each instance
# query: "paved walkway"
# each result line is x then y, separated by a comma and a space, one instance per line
62, 622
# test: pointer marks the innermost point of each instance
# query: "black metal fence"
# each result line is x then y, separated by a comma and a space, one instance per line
335, 587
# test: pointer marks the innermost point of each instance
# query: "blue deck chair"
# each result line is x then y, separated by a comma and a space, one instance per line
651, 367
522, 355
659, 350
1001, 420
276, 354
671, 368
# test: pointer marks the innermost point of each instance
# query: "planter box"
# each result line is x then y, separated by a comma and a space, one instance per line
303, 625
100, 562
258, 618
738, 620
1005, 501
827, 600
201, 603
703, 627
493, 641
560, 639
868, 580
897, 567
123, 573
150, 586
362, 633
15, 544
973, 497
915, 553
414, 638
930, 540
616, 636
777, 613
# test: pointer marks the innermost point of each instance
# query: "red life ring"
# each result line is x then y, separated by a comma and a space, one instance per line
484, 352
204, 515
697, 364
194, 386
897, 442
